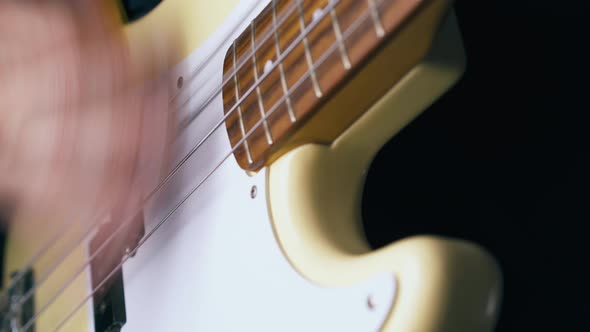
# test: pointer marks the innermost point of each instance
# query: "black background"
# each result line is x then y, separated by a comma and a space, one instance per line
503, 160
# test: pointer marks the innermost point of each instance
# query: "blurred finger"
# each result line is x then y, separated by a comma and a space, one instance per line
92, 59
93, 70
28, 29
94, 156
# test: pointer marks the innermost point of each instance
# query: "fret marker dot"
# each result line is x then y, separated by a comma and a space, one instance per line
317, 14
268, 66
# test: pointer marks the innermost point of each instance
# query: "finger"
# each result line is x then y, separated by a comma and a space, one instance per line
93, 60
94, 156
28, 29
98, 69
157, 131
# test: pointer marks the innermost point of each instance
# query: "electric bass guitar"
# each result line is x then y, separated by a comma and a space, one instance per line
281, 106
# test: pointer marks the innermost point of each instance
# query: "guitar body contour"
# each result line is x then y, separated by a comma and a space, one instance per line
281, 248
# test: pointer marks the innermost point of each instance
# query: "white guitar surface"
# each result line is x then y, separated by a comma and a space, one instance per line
215, 264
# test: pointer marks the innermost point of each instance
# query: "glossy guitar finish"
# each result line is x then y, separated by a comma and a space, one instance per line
281, 249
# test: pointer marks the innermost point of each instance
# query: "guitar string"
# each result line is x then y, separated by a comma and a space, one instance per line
195, 72
321, 60
242, 62
60, 232
17, 276
287, 52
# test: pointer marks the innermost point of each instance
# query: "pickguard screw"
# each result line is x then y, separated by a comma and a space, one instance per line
180, 82
371, 303
253, 192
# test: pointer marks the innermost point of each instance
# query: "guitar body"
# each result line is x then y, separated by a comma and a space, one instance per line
281, 248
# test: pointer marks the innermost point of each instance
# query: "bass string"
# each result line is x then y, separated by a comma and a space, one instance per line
186, 158
321, 60
16, 277
59, 232
242, 61
44, 276
195, 72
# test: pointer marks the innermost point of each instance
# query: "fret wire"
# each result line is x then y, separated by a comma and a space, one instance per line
292, 116
342, 46
283, 18
242, 141
314, 80
191, 153
376, 19
239, 108
228, 76
149, 234
190, 78
255, 69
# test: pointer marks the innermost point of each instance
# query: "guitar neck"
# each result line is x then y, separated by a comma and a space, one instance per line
298, 55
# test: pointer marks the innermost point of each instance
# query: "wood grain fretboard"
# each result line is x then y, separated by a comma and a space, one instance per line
293, 58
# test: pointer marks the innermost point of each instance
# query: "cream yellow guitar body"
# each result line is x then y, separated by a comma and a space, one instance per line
281, 249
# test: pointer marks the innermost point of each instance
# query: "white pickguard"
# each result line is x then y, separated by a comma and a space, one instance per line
215, 264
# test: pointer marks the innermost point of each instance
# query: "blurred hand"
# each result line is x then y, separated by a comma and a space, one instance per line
81, 128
